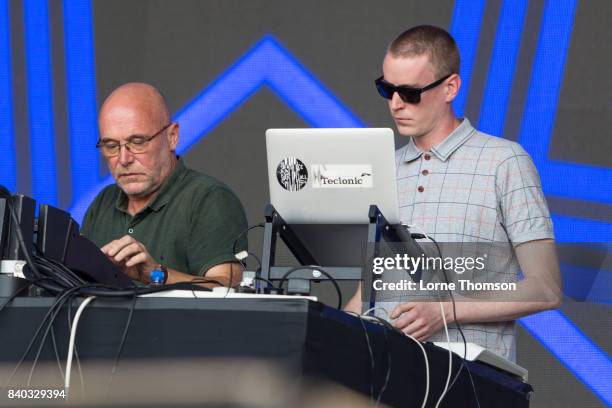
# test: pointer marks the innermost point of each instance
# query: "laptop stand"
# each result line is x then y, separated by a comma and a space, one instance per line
378, 230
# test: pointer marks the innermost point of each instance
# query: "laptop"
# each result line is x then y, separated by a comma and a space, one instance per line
332, 176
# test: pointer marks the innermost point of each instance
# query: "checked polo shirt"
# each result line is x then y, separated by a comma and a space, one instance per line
473, 187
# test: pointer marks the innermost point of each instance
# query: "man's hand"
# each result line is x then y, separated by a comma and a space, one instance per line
419, 319
131, 256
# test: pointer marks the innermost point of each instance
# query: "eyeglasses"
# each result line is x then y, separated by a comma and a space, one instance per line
407, 93
134, 144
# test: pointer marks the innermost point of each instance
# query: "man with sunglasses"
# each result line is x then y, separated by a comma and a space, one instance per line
460, 185
160, 221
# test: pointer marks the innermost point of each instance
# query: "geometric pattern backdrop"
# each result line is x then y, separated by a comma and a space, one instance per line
270, 64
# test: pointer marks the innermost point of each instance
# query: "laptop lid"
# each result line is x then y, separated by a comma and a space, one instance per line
332, 176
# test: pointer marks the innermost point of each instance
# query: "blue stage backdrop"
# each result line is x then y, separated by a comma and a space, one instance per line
534, 72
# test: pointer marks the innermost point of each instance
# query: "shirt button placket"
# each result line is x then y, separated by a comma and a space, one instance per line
425, 172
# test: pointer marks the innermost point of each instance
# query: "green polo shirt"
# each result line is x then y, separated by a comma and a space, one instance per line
189, 226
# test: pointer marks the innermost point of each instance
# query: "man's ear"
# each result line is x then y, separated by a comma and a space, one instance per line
173, 136
453, 84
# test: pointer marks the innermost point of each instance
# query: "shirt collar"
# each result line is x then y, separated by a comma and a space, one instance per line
445, 148
165, 192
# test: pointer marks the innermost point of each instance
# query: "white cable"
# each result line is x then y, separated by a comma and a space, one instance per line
450, 357
422, 349
75, 323
375, 308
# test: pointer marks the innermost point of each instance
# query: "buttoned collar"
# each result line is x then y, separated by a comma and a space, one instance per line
445, 148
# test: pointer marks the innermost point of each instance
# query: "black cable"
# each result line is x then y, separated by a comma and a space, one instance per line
391, 328
57, 269
66, 296
49, 313
252, 255
57, 276
13, 296
370, 353
56, 352
65, 293
18, 291
121, 344
386, 326
473, 385
103, 290
268, 281
245, 231
313, 267
46, 268
256, 258
260, 225
52, 312
76, 353
68, 300
90, 290
58, 307
51, 287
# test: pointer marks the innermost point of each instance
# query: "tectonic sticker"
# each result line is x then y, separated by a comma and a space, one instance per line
341, 175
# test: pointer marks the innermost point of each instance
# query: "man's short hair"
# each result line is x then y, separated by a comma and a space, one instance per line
436, 42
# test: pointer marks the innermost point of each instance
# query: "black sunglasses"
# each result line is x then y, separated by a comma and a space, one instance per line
407, 93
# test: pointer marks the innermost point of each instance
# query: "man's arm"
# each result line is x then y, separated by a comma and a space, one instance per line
229, 273
134, 259
216, 235
539, 290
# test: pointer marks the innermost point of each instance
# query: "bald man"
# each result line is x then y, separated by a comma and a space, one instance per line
159, 215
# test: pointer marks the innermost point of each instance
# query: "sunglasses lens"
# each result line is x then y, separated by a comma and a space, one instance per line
409, 95
384, 90
387, 90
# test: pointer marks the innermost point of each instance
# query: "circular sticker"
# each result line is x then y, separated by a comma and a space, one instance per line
291, 174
